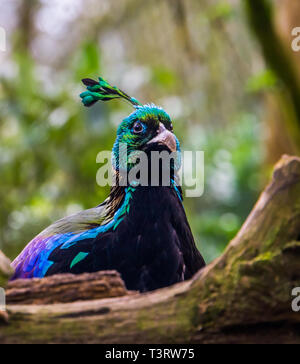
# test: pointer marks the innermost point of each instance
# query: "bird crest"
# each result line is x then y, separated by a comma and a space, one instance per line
102, 91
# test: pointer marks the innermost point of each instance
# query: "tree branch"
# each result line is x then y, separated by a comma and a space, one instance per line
63, 288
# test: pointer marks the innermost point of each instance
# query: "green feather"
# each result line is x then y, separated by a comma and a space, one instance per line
79, 257
103, 91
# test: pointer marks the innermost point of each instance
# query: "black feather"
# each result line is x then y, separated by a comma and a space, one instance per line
152, 247
89, 82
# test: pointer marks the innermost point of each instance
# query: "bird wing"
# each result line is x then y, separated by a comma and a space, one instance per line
79, 228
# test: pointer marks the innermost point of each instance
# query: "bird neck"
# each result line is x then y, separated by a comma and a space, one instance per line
122, 198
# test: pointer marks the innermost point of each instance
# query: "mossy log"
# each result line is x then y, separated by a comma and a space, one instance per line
242, 297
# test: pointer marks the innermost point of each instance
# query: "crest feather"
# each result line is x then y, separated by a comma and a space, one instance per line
102, 91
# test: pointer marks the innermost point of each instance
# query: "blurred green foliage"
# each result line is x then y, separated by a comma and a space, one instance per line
262, 81
49, 142
233, 158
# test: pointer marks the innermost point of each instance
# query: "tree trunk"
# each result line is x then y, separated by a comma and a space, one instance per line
242, 297
272, 24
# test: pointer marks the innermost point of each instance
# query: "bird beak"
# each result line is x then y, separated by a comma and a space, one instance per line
164, 137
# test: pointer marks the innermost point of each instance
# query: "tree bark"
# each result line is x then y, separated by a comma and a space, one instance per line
63, 288
242, 297
272, 24
5, 269
5, 272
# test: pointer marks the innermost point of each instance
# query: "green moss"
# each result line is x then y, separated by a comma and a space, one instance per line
267, 256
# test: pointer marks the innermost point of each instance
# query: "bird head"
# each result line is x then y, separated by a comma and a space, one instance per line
148, 129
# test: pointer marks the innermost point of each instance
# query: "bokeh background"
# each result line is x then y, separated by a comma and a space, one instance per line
223, 69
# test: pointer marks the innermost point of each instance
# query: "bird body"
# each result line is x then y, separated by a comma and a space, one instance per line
140, 231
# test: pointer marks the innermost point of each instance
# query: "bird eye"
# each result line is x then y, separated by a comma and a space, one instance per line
137, 128
171, 127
